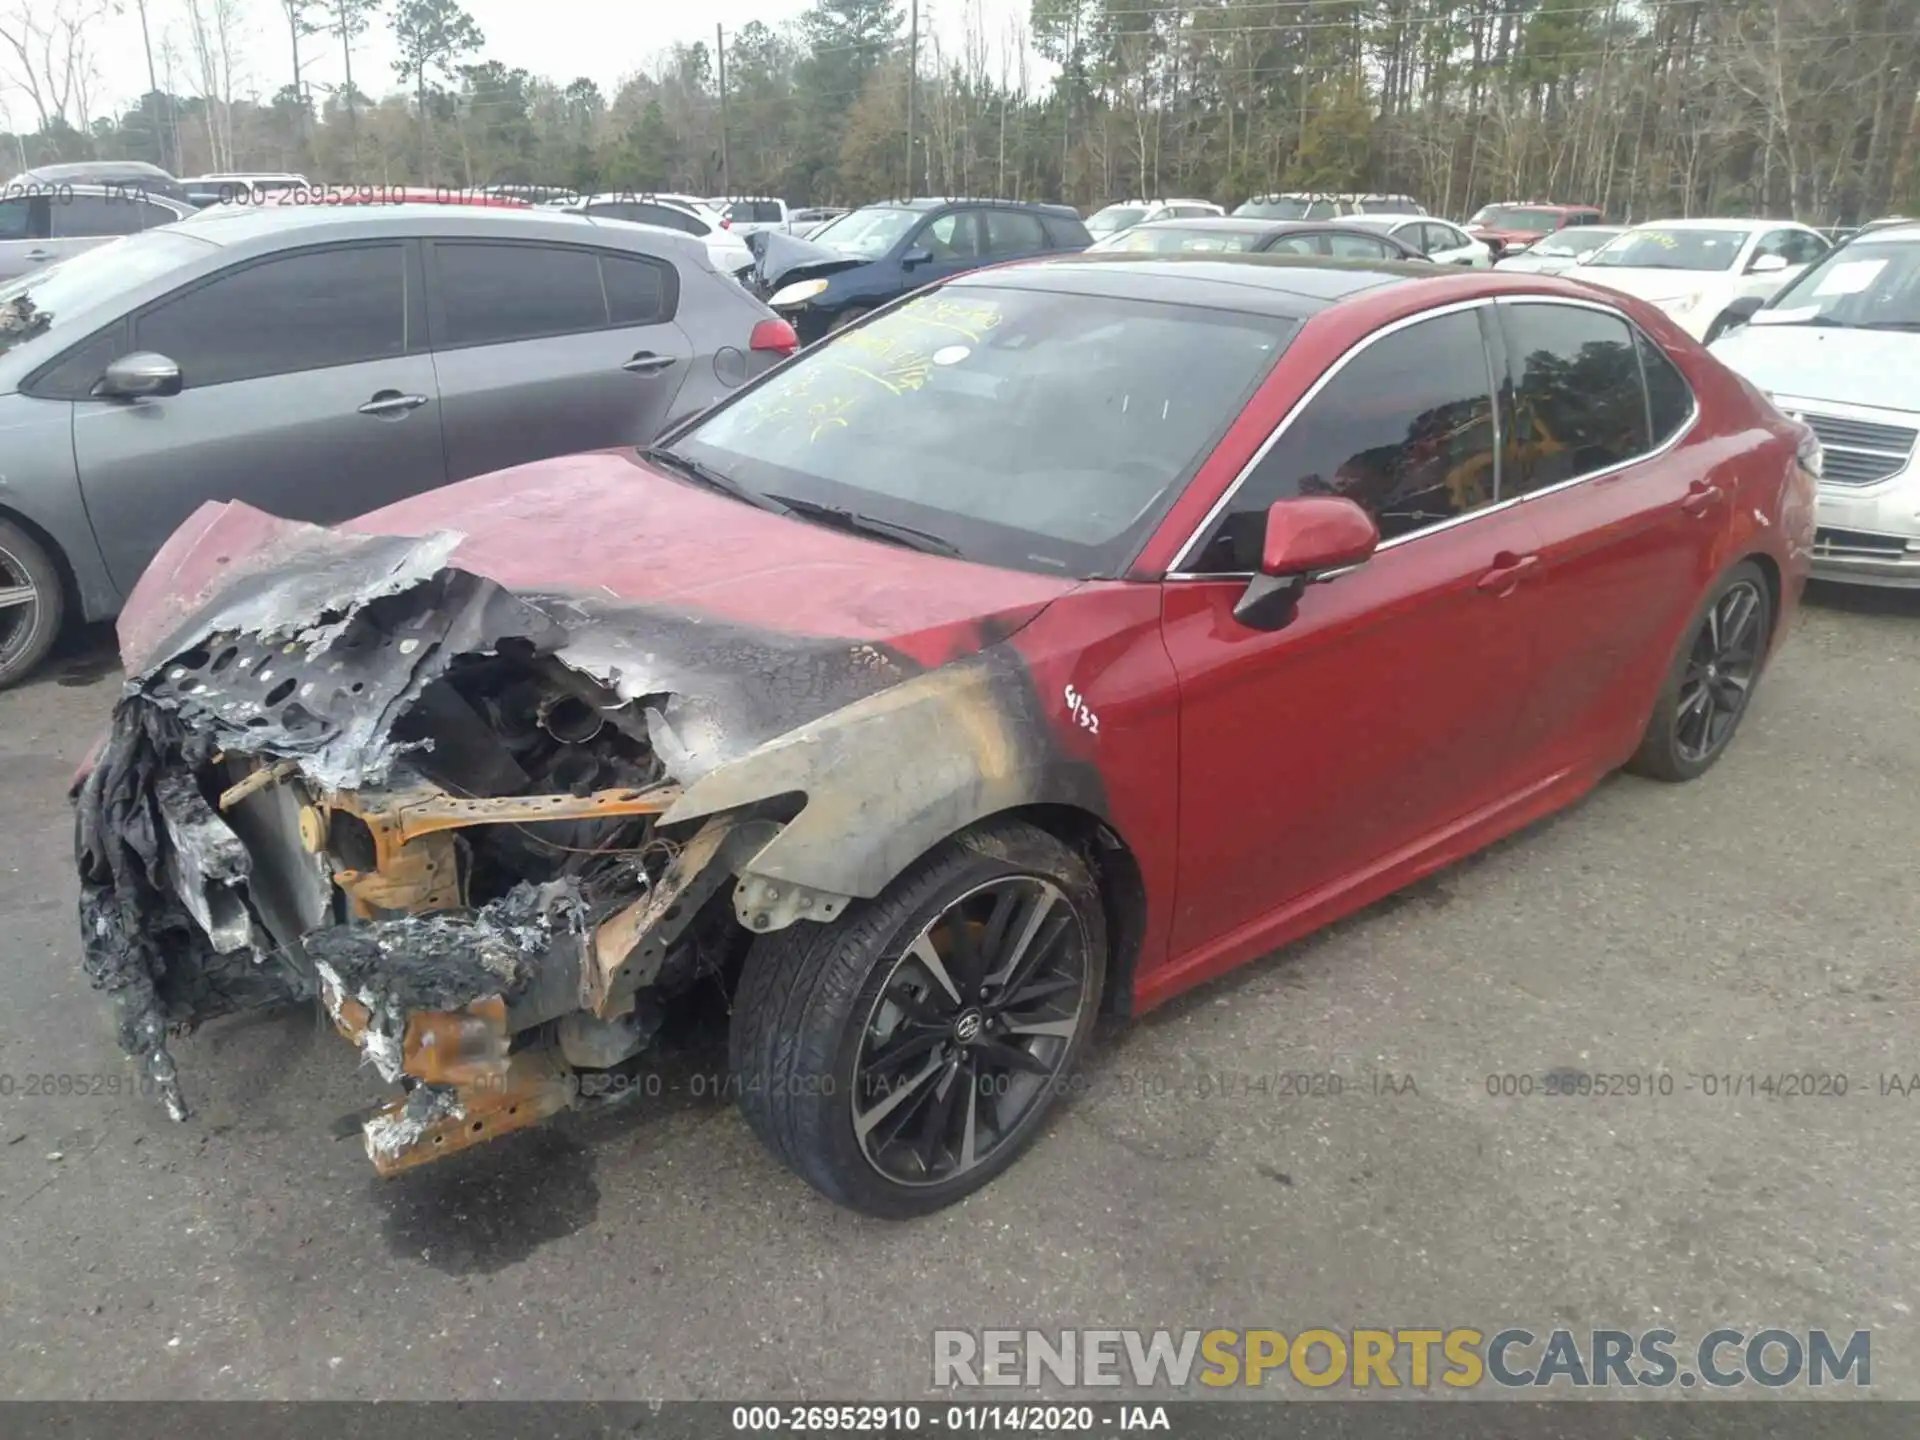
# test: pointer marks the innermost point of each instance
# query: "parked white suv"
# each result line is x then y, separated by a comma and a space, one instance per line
685, 213
1839, 349
1125, 214
749, 214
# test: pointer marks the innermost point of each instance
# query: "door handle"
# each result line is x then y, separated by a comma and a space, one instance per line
648, 363
392, 402
1702, 498
1505, 576
39, 256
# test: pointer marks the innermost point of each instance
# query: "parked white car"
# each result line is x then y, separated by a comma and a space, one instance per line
749, 214
1441, 241
1125, 214
1839, 349
685, 213
1695, 269
1559, 252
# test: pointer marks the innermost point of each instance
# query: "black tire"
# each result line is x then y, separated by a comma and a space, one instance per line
27, 630
848, 316
812, 998
1720, 659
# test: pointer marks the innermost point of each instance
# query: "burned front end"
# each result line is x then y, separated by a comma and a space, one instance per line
362, 775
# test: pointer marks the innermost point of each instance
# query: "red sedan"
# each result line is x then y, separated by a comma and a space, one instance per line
1054, 639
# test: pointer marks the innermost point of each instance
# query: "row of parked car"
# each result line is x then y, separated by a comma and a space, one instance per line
288, 344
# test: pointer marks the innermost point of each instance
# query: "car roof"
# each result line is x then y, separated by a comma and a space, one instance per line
1725, 222
1293, 287
1382, 222
247, 224
82, 169
937, 202
1254, 225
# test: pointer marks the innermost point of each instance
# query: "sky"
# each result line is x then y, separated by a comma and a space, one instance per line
605, 40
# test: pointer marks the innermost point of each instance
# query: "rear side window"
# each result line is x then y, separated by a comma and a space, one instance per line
16, 218
1066, 234
308, 311
650, 214
639, 292
77, 217
1578, 402
1669, 397
1012, 232
764, 212
1360, 247
490, 293
1405, 429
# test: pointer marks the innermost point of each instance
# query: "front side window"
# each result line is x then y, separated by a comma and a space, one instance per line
16, 218
1658, 247
1803, 247
301, 312
1869, 285
1443, 237
492, 294
79, 217
1029, 429
1360, 247
1405, 429
1578, 402
1115, 218
954, 236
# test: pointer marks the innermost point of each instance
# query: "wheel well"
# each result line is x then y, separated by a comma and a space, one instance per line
1770, 570
1122, 888
54, 553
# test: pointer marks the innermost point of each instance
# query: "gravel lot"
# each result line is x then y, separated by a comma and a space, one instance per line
1758, 922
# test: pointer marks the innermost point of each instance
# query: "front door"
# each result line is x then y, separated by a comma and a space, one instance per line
546, 350
1314, 755
302, 395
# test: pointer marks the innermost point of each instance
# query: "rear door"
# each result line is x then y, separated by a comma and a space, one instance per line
1626, 518
545, 349
1383, 714
1447, 246
1012, 235
1353, 246
24, 224
307, 391
80, 222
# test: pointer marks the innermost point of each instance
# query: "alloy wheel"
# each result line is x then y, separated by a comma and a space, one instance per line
1720, 672
971, 1028
19, 606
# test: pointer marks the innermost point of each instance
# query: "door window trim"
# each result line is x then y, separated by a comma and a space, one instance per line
1496, 387
1326, 378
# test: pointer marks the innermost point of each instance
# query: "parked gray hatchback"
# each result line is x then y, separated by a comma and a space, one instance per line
319, 362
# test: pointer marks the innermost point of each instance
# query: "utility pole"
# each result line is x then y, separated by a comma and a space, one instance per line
913, 75
726, 166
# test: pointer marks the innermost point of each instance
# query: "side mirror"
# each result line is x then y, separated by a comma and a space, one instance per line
1740, 311
1306, 541
1767, 264
918, 255
140, 376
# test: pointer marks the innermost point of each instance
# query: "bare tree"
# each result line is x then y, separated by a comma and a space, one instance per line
44, 52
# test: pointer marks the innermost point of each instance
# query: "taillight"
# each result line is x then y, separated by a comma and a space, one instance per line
775, 336
726, 222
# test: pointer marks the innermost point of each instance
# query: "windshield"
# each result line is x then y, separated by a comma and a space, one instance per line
1028, 429
1871, 284
1288, 207
1654, 248
41, 302
1581, 240
1174, 240
1115, 217
867, 233
1516, 217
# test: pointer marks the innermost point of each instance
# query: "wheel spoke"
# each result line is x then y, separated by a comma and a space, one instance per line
1012, 1057
908, 1049
937, 1118
1713, 630
1062, 1028
929, 958
1028, 949
1039, 990
969, 1154
1746, 613
12, 595
897, 1096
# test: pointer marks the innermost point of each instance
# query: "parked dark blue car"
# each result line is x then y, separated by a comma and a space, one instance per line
880, 252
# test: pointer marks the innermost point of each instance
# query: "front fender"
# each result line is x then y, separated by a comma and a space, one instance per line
888, 777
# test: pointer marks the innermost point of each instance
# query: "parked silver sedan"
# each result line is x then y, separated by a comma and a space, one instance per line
319, 362
42, 224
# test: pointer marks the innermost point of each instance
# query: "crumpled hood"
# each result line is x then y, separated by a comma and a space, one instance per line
1806, 362
779, 257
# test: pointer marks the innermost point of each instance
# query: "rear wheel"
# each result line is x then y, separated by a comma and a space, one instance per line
902, 1056
1711, 683
32, 603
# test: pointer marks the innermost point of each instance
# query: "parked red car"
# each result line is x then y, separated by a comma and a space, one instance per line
1051, 640
1513, 227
